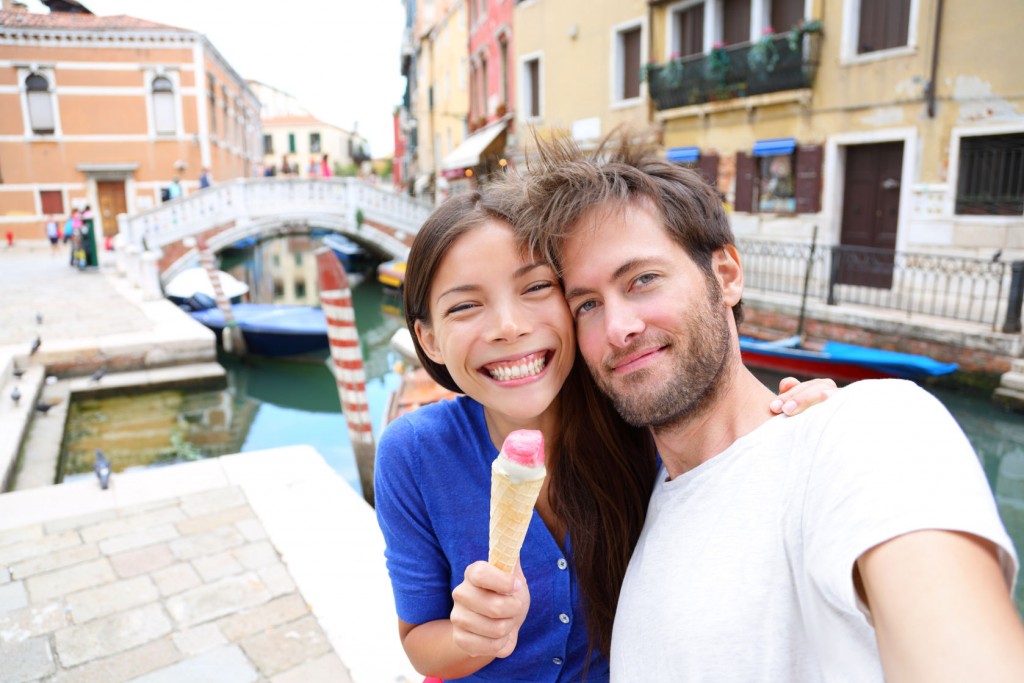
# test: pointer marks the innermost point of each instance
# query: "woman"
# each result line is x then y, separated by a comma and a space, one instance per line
490, 322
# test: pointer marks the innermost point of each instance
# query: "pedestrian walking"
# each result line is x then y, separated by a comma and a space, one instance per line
53, 233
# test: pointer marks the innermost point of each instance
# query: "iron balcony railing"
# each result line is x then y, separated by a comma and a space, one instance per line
984, 291
781, 62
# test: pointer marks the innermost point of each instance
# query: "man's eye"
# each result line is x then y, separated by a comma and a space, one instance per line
645, 279
585, 307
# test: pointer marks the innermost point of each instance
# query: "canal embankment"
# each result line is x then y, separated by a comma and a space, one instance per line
58, 323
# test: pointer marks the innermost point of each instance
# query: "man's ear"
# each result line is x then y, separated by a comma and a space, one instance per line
425, 336
727, 268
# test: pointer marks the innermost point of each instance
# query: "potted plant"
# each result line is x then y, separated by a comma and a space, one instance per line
718, 63
763, 55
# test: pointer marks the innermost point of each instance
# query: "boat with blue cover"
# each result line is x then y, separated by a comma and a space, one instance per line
274, 330
842, 362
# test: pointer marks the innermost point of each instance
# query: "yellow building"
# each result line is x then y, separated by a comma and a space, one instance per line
895, 124
292, 133
439, 95
578, 67
106, 111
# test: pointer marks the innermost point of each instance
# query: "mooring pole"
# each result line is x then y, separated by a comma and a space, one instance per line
1012, 323
336, 301
231, 335
807, 283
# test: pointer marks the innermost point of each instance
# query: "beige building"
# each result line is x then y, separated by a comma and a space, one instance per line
106, 111
895, 124
439, 94
291, 132
578, 67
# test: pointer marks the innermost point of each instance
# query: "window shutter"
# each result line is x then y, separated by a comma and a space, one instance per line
163, 113
40, 112
808, 179
707, 164
744, 200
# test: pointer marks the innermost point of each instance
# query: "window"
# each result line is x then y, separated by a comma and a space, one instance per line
785, 14
483, 87
503, 50
531, 88
268, 144
314, 143
687, 25
776, 184
40, 105
164, 119
884, 24
779, 178
51, 202
628, 55
991, 176
291, 143
211, 91
224, 113
735, 21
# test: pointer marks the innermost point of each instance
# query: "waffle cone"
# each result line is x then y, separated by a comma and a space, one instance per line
511, 510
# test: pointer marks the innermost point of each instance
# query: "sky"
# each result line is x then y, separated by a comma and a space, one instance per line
339, 58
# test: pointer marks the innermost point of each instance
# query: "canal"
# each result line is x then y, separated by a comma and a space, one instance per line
270, 403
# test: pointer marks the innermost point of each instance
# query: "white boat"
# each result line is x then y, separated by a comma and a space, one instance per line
196, 281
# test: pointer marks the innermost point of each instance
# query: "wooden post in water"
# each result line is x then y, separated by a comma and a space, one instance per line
231, 335
336, 301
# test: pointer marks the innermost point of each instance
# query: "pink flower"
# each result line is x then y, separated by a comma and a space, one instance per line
768, 31
718, 44
675, 55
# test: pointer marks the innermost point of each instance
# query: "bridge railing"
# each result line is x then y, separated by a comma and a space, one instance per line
252, 198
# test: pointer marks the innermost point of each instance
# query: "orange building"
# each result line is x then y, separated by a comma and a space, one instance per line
107, 111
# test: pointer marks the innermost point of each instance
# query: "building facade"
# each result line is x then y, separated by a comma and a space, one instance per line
293, 136
107, 112
895, 124
578, 67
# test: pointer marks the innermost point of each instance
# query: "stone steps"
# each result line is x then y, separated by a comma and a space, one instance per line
15, 417
1011, 387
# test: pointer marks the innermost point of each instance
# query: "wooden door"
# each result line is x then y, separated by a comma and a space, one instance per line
112, 203
871, 209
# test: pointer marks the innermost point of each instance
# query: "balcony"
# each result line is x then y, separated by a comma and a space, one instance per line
785, 61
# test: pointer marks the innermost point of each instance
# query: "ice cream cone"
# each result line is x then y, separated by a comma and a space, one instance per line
517, 476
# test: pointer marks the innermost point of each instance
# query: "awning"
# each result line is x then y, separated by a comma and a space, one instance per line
683, 155
769, 148
468, 154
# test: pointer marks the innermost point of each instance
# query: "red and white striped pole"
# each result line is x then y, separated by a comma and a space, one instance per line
336, 302
231, 335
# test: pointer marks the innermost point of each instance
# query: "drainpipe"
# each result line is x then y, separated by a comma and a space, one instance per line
935, 59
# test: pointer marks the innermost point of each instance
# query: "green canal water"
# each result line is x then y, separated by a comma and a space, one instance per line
270, 403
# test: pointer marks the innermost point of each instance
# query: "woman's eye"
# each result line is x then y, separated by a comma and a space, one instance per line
540, 286
460, 308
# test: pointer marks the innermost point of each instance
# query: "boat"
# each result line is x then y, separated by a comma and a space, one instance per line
274, 330
415, 389
842, 362
392, 273
352, 256
192, 281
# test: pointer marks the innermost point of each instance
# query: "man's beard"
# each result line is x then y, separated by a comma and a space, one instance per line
689, 387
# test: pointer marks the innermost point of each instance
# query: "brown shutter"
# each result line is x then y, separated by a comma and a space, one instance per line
744, 200
808, 179
736, 22
631, 64
707, 164
51, 201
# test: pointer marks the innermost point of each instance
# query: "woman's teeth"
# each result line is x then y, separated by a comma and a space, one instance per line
526, 367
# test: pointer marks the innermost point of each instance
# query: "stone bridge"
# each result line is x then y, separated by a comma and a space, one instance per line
159, 243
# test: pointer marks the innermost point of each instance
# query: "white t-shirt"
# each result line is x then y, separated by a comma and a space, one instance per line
744, 568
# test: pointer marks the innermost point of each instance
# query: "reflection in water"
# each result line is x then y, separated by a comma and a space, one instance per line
268, 402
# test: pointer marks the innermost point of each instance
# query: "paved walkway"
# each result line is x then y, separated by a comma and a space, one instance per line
255, 567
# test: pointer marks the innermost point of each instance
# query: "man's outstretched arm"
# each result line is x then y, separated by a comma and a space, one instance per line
941, 609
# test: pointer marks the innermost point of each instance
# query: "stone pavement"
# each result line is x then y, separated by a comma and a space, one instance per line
255, 567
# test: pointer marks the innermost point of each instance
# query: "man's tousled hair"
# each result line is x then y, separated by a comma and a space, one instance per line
564, 184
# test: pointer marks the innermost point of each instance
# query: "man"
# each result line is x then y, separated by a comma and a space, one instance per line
856, 542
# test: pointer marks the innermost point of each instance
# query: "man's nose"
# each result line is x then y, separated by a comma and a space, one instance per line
622, 324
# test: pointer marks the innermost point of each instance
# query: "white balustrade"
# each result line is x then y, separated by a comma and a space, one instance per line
268, 203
